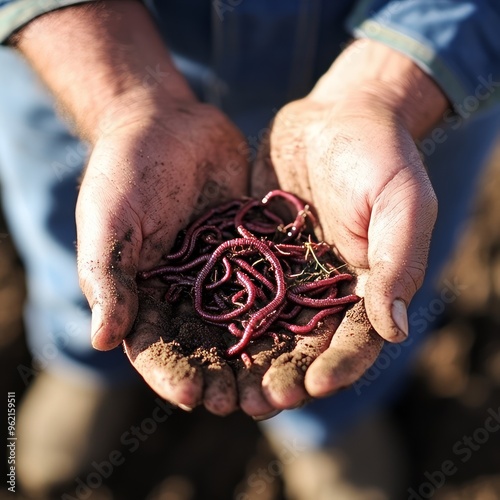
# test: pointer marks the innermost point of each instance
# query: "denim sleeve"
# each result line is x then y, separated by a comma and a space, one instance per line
457, 42
14, 14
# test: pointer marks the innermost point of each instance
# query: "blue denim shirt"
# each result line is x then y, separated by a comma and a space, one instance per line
252, 56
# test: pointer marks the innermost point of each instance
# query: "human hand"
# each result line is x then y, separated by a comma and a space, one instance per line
155, 150
349, 149
147, 176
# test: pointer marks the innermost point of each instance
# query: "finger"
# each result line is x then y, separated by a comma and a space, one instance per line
251, 398
108, 252
263, 355
399, 237
159, 359
283, 384
203, 346
249, 379
353, 349
220, 396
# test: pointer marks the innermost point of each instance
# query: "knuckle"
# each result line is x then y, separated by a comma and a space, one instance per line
413, 277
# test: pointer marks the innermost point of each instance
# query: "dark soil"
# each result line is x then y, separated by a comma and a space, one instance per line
456, 386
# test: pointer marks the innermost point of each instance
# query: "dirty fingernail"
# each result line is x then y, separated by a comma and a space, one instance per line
400, 316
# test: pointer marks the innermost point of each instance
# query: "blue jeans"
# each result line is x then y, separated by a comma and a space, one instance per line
40, 162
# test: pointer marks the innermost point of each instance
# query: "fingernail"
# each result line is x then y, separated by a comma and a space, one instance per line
300, 404
271, 414
96, 321
185, 407
400, 316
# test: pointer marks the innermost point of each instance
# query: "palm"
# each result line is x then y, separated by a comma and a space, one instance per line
143, 184
364, 176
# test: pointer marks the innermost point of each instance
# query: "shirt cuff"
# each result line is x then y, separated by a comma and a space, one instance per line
455, 42
17, 13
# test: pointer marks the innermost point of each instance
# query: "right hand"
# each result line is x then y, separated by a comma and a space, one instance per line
149, 173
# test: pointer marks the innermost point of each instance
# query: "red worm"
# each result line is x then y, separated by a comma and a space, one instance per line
221, 318
308, 327
263, 327
327, 282
238, 219
227, 274
293, 229
247, 276
256, 317
243, 264
204, 229
197, 223
291, 314
174, 269
316, 303
173, 294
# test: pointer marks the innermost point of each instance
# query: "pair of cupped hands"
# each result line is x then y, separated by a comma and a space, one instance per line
152, 172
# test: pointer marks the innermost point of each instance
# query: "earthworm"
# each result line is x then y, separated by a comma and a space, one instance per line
303, 329
302, 211
305, 287
317, 303
220, 318
243, 264
254, 277
227, 274
292, 313
174, 269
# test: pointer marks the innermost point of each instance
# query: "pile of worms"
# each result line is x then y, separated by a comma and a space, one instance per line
252, 270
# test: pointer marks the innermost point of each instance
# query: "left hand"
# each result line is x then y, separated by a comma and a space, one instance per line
352, 154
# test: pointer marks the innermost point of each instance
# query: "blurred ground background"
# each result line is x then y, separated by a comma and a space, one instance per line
456, 382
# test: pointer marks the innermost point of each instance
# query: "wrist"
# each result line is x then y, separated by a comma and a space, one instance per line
110, 62
369, 73
133, 107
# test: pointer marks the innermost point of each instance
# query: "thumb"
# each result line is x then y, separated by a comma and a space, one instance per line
403, 216
108, 253
112, 296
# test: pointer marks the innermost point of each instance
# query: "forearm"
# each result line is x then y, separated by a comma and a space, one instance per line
104, 61
368, 72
